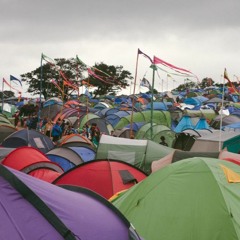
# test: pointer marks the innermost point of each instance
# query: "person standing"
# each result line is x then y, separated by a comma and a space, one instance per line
56, 132
48, 128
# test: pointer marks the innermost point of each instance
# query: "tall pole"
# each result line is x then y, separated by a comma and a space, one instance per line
40, 100
2, 94
221, 117
133, 97
153, 79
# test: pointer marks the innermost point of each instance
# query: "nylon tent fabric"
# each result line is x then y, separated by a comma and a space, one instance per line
102, 176
31, 138
209, 114
6, 130
86, 154
202, 124
66, 153
56, 212
139, 153
216, 141
4, 152
114, 118
184, 123
157, 106
74, 138
201, 202
61, 161
159, 117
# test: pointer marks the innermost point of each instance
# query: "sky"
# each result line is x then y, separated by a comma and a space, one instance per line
200, 36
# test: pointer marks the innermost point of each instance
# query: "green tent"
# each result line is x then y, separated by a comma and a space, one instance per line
159, 117
140, 153
194, 199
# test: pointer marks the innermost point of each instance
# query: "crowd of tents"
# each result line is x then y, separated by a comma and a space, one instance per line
130, 186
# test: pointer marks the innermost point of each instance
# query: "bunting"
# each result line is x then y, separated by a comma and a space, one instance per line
57, 86
90, 72
66, 82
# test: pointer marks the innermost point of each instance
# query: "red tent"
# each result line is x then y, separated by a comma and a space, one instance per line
33, 162
106, 177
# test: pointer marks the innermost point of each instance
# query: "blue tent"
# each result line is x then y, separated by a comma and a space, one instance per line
86, 154
184, 123
202, 124
157, 106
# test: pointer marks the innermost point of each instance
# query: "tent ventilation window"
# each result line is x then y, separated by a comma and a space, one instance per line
127, 177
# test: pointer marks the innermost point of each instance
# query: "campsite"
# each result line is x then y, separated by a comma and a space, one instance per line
159, 166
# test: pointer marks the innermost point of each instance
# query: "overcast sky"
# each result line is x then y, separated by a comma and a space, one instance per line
202, 36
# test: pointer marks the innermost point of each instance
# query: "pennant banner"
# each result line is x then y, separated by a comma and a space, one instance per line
90, 72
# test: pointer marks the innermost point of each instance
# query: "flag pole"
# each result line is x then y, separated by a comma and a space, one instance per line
133, 97
221, 117
2, 94
153, 66
40, 100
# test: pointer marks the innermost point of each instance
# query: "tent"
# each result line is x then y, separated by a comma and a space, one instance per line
105, 177
159, 117
139, 153
66, 157
31, 138
197, 198
34, 209
33, 162
6, 130
216, 141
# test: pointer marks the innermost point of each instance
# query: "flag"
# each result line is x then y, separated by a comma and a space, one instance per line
81, 62
160, 61
145, 55
229, 81
12, 78
49, 60
145, 83
90, 72
5, 81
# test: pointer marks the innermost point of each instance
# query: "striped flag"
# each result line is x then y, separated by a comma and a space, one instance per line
12, 78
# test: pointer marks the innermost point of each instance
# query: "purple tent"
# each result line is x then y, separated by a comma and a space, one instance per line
34, 209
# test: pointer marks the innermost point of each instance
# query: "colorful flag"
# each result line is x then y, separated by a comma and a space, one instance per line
145, 55
5, 81
160, 61
229, 81
90, 72
67, 82
12, 78
145, 83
